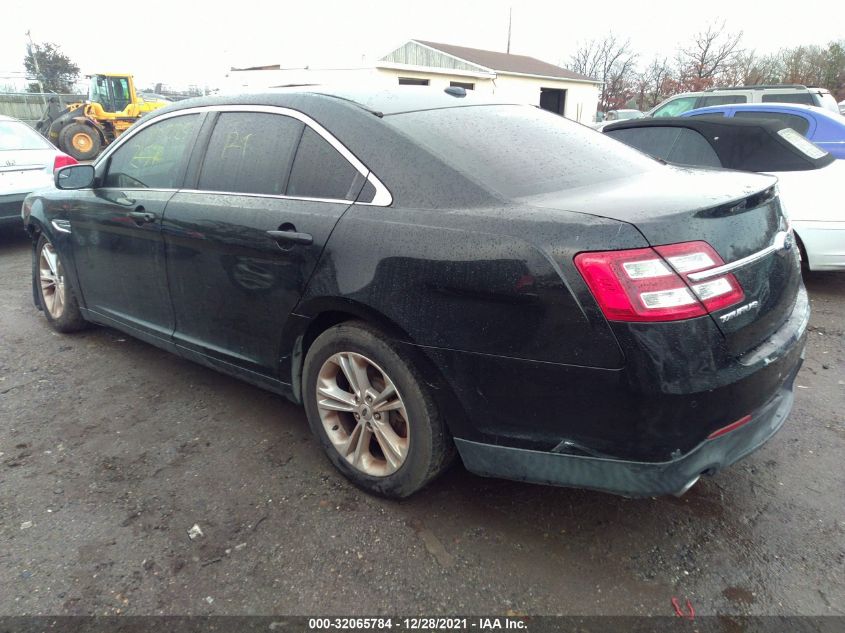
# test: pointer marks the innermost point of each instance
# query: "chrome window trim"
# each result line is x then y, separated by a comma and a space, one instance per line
269, 195
382, 197
778, 243
161, 189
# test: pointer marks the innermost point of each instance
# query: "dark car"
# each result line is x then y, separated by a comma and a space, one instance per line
809, 179
823, 127
428, 272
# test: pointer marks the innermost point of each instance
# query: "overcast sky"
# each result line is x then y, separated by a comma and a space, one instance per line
183, 43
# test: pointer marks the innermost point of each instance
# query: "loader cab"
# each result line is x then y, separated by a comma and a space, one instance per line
112, 92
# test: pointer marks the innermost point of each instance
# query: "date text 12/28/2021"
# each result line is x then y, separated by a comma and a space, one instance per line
417, 624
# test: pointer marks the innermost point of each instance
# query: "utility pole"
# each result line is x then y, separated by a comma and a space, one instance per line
34, 54
510, 20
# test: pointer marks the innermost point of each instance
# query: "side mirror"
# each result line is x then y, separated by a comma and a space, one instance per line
75, 177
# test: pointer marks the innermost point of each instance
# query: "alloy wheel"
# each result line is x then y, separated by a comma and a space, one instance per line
52, 278
363, 414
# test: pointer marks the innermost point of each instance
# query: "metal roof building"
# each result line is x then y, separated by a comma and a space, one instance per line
517, 77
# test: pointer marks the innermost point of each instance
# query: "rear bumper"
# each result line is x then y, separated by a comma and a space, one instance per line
824, 243
631, 478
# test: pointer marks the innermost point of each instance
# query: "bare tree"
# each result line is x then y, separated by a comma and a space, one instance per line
654, 84
713, 53
612, 62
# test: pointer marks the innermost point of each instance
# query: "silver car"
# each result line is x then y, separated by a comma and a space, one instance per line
27, 161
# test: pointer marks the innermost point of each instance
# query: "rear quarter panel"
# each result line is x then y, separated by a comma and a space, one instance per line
496, 281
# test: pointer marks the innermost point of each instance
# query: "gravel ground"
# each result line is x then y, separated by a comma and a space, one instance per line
111, 450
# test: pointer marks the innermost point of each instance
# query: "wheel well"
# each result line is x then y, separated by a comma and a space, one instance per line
321, 323
805, 259
33, 229
454, 414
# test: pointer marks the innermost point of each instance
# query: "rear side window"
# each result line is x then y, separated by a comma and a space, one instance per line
319, 171
797, 123
717, 100
250, 152
804, 98
155, 157
678, 145
519, 150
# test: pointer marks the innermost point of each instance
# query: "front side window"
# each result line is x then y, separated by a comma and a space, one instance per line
797, 123
99, 92
250, 152
319, 171
155, 157
676, 107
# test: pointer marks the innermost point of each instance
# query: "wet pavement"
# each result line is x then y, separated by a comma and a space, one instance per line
112, 450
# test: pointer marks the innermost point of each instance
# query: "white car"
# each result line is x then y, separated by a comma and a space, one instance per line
27, 162
810, 180
816, 207
617, 115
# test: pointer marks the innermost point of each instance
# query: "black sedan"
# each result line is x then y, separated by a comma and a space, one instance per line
431, 274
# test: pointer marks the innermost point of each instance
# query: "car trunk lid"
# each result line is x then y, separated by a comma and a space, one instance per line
25, 170
738, 214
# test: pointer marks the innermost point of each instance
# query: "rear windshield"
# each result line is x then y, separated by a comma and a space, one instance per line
518, 150
15, 135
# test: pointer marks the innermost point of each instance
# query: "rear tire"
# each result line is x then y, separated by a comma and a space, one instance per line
81, 141
805, 261
392, 440
54, 294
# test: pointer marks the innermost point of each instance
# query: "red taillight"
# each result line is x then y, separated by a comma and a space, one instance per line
652, 284
730, 427
63, 160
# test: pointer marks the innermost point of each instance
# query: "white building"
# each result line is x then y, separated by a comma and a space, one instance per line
518, 77
511, 77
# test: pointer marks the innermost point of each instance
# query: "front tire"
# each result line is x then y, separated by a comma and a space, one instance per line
54, 295
372, 412
80, 141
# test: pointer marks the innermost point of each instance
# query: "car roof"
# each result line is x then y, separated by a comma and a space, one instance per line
379, 101
772, 106
749, 144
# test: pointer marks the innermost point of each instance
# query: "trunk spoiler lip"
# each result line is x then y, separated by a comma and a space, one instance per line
782, 241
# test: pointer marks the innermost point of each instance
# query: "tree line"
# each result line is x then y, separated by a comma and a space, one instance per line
713, 57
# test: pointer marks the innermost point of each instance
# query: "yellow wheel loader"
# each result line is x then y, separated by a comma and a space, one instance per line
83, 129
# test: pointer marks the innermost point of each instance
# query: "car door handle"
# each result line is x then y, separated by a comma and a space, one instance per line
292, 236
142, 217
